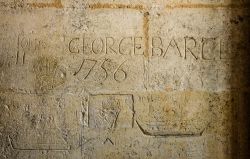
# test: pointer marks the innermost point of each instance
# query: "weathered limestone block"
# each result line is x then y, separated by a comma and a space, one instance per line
83, 79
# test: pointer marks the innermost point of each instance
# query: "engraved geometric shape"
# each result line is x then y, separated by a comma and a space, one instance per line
173, 114
111, 111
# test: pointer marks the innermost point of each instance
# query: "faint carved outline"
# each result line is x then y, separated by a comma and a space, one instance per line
108, 139
132, 98
145, 132
30, 149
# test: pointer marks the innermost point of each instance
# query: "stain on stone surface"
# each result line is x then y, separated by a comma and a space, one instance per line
53, 4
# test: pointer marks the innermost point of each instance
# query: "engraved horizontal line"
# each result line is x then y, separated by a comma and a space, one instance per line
36, 149
209, 6
25, 92
116, 6
112, 94
39, 149
177, 134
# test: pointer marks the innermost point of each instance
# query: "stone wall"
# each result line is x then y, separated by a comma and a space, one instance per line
111, 79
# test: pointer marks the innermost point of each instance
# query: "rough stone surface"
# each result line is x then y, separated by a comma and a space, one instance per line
119, 79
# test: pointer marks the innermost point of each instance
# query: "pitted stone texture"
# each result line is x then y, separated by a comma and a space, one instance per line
109, 79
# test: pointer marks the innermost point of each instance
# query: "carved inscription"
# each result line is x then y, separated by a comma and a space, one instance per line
83, 79
38, 119
169, 114
111, 111
197, 48
15, 51
107, 45
48, 73
119, 74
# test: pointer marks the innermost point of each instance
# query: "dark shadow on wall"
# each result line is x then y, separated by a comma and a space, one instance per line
240, 68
